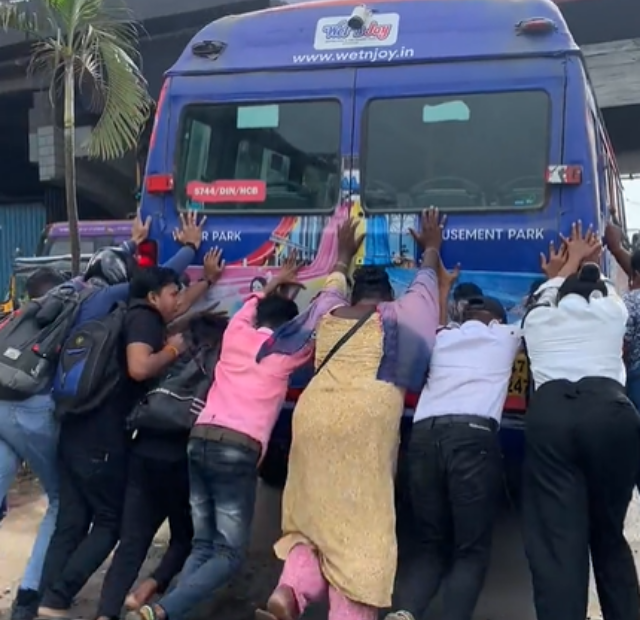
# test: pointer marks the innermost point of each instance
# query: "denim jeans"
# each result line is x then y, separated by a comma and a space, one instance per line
29, 433
223, 479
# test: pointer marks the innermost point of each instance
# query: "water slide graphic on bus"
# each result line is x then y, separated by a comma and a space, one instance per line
377, 247
258, 257
289, 235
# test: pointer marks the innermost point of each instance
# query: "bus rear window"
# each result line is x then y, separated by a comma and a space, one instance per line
280, 157
465, 152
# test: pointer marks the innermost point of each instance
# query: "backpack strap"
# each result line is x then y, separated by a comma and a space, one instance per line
345, 338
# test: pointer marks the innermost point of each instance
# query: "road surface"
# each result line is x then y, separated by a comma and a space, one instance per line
507, 593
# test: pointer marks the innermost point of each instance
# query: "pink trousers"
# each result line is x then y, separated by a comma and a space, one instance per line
303, 575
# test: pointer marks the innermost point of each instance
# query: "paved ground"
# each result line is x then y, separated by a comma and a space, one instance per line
506, 596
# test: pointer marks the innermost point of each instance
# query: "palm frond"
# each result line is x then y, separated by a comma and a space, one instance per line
126, 102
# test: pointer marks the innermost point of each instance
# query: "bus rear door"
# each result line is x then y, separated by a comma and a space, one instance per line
259, 153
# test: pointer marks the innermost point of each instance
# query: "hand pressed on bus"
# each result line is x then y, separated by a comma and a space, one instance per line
190, 231
557, 258
429, 237
349, 243
580, 246
213, 265
286, 278
140, 229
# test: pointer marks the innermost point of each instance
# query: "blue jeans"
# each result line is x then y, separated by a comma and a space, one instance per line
633, 392
29, 433
223, 479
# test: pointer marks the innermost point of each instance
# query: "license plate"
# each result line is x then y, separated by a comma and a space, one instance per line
518, 384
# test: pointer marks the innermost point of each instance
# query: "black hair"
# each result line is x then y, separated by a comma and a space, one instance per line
635, 261
274, 311
41, 281
531, 295
152, 280
371, 282
207, 329
466, 290
583, 283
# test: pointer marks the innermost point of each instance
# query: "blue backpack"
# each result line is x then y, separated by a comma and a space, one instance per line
91, 366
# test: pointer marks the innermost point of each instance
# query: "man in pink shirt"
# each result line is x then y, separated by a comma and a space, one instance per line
227, 443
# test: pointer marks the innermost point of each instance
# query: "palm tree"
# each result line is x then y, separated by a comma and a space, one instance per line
92, 45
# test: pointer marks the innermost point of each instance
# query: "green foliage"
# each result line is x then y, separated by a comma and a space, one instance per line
99, 43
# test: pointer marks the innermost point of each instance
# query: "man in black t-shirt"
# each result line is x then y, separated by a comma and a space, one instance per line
158, 476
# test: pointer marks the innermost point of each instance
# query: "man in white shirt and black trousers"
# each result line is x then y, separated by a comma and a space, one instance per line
582, 440
454, 460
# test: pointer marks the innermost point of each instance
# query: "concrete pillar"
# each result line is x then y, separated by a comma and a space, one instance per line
109, 184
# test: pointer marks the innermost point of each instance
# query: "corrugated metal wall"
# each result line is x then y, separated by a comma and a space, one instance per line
20, 229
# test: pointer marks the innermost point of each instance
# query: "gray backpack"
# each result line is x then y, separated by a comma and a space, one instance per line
31, 339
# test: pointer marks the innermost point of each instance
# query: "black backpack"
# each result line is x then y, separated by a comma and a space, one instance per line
31, 340
91, 366
177, 399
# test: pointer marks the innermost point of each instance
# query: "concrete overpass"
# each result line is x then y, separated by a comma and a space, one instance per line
607, 30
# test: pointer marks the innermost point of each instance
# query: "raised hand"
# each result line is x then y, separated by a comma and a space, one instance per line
446, 279
287, 276
190, 231
348, 241
557, 258
431, 227
213, 265
140, 229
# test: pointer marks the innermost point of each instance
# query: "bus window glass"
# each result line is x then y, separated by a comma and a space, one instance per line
291, 149
473, 151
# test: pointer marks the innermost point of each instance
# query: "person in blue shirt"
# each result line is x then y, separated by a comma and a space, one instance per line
93, 447
28, 434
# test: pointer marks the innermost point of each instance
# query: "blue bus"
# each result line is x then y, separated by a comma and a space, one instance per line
276, 122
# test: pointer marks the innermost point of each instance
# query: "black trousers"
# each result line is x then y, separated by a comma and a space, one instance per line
156, 490
582, 454
92, 486
455, 482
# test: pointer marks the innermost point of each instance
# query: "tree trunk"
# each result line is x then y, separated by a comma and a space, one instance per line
70, 165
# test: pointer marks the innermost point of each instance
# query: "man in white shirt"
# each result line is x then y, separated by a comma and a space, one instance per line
582, 441
455, 463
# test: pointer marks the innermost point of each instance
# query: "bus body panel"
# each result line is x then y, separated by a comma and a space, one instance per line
461, 52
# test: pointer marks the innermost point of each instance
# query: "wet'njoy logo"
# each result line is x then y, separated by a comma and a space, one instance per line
334, 32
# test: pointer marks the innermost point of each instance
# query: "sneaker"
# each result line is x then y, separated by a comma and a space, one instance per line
146, 612
399, 615
25, 605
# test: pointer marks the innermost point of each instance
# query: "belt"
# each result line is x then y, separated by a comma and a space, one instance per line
225, 435
487, 424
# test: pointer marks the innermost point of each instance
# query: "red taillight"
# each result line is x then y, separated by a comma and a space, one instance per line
159, 183
148, 254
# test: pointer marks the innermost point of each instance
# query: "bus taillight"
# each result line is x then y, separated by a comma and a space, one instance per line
148, 254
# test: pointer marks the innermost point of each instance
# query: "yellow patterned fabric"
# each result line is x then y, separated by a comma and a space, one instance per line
339, 495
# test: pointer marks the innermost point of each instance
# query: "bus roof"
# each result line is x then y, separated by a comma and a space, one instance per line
314, 35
